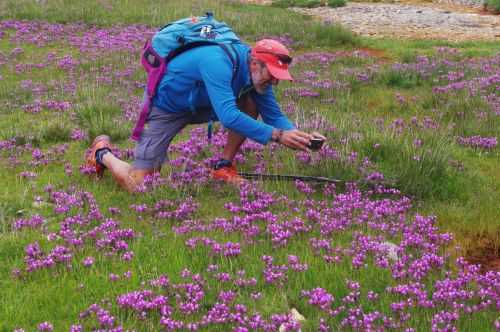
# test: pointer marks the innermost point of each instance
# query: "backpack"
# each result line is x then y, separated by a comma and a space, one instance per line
174, 39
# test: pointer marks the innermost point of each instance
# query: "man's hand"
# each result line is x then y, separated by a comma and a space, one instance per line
296, 139
315, 134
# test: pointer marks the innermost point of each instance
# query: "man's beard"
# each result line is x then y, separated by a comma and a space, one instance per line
261, 89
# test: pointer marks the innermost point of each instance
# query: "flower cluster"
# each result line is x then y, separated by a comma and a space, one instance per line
83, 224
478, 142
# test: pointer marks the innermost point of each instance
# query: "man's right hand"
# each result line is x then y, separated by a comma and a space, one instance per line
296, 139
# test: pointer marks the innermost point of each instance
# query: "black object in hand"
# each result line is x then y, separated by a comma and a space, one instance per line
316, 143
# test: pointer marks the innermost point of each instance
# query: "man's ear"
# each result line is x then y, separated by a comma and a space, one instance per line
256, 64
253, 64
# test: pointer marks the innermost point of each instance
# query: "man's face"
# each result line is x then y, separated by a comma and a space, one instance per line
261, 78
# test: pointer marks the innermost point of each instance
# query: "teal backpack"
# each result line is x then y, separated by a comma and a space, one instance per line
174, 39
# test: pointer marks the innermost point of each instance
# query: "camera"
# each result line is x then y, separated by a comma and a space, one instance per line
316, 143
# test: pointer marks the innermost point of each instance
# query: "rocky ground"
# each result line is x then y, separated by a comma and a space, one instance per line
431, 21
454, 20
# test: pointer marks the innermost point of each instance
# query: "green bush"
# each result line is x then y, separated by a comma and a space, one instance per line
493, 5
400, 78
283, 3
310, 3
336, 3
298, 3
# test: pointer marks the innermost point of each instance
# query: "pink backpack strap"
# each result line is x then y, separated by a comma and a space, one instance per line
155, 68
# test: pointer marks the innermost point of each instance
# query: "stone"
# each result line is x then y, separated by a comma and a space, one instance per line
391, 250
296, 316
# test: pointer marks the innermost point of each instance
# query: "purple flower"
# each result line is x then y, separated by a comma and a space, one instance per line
45, 326
34, 222
77, 134
486, 143
76, 328
88, 261
319, 297
113, 277
28, 175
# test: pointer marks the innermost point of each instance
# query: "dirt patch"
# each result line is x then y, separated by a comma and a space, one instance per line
379, 54
485, 250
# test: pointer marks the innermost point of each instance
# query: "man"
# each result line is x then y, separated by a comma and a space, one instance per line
200, 86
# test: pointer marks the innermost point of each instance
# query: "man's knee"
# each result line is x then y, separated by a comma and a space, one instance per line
248, 106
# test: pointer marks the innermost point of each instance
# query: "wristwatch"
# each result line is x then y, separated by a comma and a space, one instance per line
276, 135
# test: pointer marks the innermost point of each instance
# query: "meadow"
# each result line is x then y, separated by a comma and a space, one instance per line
409, 241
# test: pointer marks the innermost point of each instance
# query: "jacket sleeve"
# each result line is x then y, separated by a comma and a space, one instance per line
270, 110
216, 74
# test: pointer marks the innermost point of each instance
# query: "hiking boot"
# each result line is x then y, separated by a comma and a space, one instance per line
100, 142
225, 171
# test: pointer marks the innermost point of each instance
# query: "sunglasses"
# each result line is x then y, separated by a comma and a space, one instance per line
281, 57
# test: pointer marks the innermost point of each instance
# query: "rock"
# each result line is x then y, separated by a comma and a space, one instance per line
40, 204
391, 250
296, 316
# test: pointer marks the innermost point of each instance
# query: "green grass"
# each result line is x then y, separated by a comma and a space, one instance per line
98, 118
461, 186
405, 50
248, 20
336, 3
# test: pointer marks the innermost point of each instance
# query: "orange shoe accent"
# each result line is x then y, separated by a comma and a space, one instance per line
227, 174
101, 141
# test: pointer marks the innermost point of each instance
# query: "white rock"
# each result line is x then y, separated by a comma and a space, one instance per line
39, 204
296, 316
391, 250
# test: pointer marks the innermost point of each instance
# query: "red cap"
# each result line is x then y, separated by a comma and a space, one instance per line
276, 57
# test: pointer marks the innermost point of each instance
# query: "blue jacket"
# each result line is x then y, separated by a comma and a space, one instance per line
201, 78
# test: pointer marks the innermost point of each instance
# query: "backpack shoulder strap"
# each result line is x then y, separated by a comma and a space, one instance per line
233, 56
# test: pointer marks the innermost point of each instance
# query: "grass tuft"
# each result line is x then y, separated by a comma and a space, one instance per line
103, 119
400, 79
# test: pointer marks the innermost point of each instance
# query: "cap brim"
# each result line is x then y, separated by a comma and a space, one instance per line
279, 73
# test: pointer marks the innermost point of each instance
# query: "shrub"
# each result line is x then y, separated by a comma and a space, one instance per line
298, 3
401, 79
336, 3
493, 5
333, 35
311, 3
422, 172
283, 3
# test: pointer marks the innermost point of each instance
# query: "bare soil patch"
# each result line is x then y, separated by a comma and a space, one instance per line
485, 252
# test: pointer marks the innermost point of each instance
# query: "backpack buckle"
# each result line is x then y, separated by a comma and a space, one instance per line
151, 58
